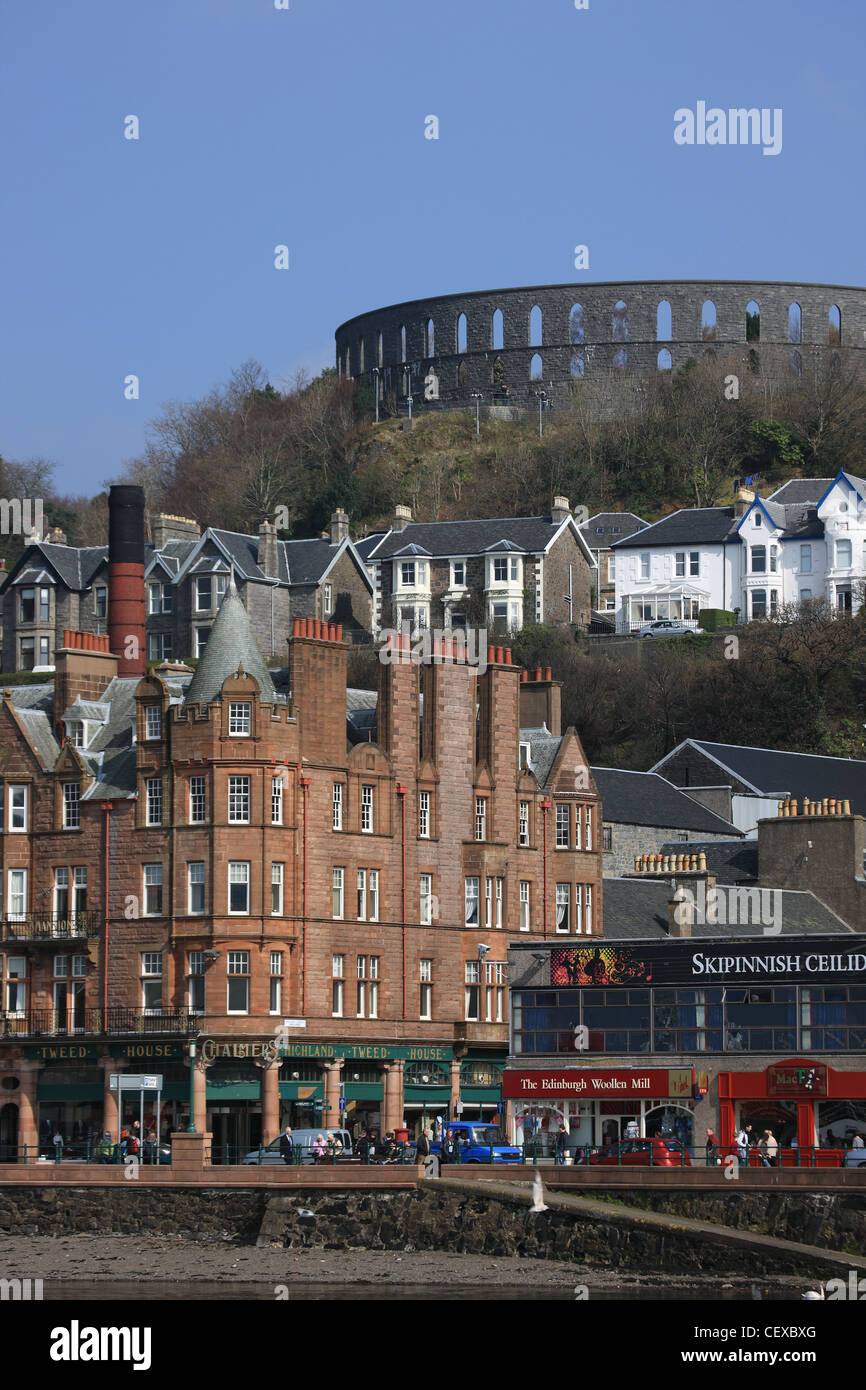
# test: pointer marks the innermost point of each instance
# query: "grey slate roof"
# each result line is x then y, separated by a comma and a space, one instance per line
38, 727
690, 526
645, 798
801, 490
543, 748
635, 909
606, 528
530, 534
729, 861
368, 543
768, 771
231, 644
308, 560
34, 697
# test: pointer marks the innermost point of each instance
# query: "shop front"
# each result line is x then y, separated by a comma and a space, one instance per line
802, 1100
597, 1105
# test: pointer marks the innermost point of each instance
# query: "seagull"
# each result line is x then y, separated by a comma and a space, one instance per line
812, 1295
537, 1194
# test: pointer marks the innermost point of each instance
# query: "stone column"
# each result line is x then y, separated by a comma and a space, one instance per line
28, 1128
200, 1094
455, 1087
110, 1099
392, 1102
333, 1118
270, 1083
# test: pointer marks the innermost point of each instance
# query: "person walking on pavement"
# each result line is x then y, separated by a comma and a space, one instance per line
768, 1149
562, 1144
105, 1148
449, 1148
422, 1148
744, 1140
287, 1146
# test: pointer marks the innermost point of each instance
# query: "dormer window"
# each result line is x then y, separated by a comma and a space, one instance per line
75, 733
525, 751
240, 718
759, 520
159, 598
152, 722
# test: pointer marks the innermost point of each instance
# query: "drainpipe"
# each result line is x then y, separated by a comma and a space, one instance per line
106, 810
304, 783
401, 792
546, 805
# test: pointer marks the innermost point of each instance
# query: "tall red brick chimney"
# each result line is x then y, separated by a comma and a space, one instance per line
126, 636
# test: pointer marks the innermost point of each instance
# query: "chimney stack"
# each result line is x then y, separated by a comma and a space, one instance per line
165, 527
561, 510
339, 526
268, 554
541, 701
679, 914
55, 536
402, 517
126, 578
743, 499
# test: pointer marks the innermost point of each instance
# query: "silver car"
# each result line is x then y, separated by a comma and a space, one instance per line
667, 627
303, 1140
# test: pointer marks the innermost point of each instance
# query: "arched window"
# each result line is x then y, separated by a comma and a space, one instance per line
620, 322
535, 327
796, 363
462, 375
431, 339
664, 362
575, 324
620, 359
348, 363
708, 322
578, 366
753, 322
664, 322
795, 323
497, 376
402, 342
754, 361
498, 330
461, 333
380, 350
834, 364
834, 326
535, 367
360, 354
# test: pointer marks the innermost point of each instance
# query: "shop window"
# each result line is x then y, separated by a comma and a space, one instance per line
426, 1074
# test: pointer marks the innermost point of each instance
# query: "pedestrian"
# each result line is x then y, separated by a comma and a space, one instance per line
105, 1148
319, 1149
449, 1148
744, 1140
422, 1148
562, 1151
335, 1146
768, 1148
857, 1141
287, 1146
58, 1144
712, 1146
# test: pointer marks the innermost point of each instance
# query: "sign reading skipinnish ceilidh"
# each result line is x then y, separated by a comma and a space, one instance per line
802, 960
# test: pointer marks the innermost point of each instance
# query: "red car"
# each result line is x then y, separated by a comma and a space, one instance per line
638, 1153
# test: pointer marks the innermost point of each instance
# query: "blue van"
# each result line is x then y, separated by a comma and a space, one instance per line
475, 1142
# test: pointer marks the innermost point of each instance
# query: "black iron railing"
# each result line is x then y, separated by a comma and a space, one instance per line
51, 926
49, 1023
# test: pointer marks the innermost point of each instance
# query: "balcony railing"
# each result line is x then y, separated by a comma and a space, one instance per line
49, 1023
51, 926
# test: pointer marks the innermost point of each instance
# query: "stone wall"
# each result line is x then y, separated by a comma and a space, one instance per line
630, 840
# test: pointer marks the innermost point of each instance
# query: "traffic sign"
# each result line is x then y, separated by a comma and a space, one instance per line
294, 1023
342, 1102
134, 1081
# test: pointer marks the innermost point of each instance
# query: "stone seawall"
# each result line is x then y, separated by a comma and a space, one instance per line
677, 1234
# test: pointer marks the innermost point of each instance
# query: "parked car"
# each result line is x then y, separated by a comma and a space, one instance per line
667, 627
635, 1153
303, 1140
476, 1141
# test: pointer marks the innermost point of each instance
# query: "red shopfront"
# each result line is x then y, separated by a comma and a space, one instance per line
800, 1098
597, 1104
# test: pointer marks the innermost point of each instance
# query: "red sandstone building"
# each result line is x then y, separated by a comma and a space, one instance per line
214, 862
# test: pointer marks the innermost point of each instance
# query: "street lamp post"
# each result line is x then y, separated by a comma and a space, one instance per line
190, 1129
477, 398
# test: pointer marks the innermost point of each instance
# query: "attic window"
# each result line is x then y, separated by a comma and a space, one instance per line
759, 520
525, 752
152, 721
240, 718
75, 733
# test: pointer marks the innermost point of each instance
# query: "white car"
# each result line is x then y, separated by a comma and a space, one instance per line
667, 627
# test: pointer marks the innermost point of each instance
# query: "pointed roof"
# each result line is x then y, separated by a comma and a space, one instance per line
231, 645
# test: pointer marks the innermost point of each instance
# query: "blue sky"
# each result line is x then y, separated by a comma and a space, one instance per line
305, 127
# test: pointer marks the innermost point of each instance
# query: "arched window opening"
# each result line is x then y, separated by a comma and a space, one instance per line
361, 346
431, 339
575, 324
462, 375
753, 322
535, 367
497, 376
498, 330
834, 326
795, 323
620, 322
380, 350
535, 326
462, 333
578, 366
834, 364
402, 342
620, 359
664, 361
796, 364
708, 322
754, 361
664, 322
